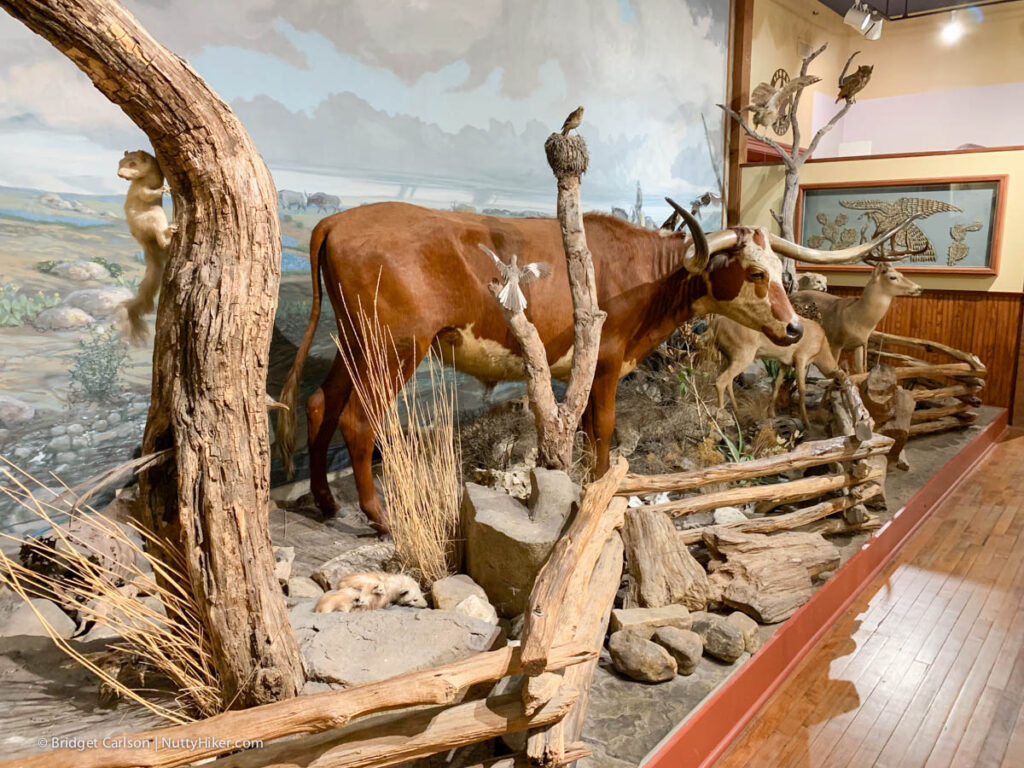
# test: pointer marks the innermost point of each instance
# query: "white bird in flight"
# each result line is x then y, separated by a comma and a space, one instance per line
511, 295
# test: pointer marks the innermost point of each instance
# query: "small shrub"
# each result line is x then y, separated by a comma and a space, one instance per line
19, 308
114, 270
46, 267
98, 367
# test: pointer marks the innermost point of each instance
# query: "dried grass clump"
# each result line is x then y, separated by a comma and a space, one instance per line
172, 643
420, 459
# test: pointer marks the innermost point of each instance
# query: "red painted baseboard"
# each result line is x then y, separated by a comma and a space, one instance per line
702, 738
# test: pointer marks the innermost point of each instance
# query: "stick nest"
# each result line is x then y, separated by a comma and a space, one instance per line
567, 155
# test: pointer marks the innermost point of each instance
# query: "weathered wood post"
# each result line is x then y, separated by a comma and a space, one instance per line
212, 341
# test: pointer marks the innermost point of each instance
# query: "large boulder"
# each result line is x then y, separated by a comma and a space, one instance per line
369, 557
14, 411
81, 271
748, 627
62, 319
640, 659
98, 302
283, 559
505, 547
349, 649
552, 494
18, 617
452, 590
644, 621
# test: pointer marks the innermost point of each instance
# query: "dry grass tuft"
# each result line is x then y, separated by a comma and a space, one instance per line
420, 456
169, 643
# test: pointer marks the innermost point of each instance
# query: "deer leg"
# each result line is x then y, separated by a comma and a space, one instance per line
860, 359
801, 386
322, 411
779, 377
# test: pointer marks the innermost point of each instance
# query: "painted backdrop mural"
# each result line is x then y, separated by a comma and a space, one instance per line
442, 103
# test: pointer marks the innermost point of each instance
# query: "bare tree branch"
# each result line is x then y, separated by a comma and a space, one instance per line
752, 133
822, 131
796, 101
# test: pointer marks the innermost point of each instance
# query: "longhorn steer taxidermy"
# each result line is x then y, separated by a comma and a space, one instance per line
425, 275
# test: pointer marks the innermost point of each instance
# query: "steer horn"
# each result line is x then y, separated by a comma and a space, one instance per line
814, 256
698, 253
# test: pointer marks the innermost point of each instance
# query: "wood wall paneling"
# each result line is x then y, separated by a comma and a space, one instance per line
987, 324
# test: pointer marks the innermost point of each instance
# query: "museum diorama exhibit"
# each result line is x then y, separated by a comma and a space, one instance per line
511, 382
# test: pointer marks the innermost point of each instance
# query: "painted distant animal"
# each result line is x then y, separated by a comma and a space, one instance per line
324, 202
912, 241
740, 346
289, 199
425, 274
368, 591
144, 213
767, 101
849, 322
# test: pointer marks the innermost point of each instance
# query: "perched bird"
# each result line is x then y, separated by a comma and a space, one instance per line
572, 121
511, 296
767, 102
852, 84
703, 201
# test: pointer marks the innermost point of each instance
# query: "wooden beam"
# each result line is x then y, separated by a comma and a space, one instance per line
957, 390
401, 740
306, 714
943, 424
928, 346
930, 414
858, 495
742, 28
794, 490
549, 591
810, 454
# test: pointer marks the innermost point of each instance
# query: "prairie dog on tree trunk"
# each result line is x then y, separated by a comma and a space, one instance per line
144, 212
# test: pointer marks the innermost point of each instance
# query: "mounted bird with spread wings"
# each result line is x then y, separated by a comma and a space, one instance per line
767, 101
511, 296
911, 241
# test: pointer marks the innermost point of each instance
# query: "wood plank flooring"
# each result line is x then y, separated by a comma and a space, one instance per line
926, 668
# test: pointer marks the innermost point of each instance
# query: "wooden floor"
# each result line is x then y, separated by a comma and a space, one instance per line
926, 667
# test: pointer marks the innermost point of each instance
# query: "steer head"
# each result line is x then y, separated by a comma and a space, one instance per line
743, 274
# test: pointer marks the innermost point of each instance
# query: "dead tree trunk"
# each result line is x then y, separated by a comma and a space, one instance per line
557, 422
792, 160
212, 338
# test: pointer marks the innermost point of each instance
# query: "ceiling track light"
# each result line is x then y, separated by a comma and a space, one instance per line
865, 19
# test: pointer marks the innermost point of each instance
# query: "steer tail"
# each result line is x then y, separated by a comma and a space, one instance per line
286, 416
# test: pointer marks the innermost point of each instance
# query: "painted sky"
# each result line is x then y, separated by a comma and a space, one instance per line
434, 101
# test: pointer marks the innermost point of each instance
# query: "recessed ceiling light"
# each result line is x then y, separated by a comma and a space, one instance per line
953, 30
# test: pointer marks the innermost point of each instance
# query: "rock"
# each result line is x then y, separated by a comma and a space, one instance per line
644, 621
640, 659
452, 590
369, 557
685, 646
478, 608
696, 520
22, 620
353, 648
114, 418
725, 515
98, 302
75, 429
61, 319
14, 411
283, 557
721, 639
81, 271
60, 443
748, 627
661, 569
516, 626
552, 494
505, 549
303, 587
53, 200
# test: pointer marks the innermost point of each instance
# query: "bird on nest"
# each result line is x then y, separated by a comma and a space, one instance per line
511, 295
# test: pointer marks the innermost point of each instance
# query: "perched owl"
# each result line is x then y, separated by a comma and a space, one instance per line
854, 83
766, 102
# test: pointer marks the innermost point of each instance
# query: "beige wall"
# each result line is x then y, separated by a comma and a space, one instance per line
909, 58
762, 189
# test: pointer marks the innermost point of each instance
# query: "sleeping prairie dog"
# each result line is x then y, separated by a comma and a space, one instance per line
144, 213
368, 591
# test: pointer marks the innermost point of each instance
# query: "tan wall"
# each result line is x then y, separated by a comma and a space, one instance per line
909, 57
762, 190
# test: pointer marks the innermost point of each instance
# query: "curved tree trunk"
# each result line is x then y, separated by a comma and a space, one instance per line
213, 333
